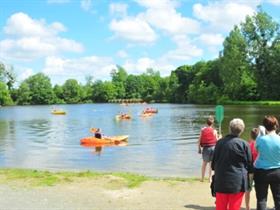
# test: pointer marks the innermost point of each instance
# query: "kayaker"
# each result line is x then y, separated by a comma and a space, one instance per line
97, 133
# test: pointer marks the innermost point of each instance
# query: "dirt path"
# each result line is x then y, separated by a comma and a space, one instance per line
109, 193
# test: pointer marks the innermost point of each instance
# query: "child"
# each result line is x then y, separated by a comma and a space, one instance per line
255, 132
206, 145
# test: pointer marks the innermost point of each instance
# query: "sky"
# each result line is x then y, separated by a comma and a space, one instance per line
72, 39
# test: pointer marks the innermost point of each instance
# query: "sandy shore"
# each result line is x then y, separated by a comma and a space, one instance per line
109, 193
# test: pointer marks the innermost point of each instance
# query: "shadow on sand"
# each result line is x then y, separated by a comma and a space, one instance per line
199, 207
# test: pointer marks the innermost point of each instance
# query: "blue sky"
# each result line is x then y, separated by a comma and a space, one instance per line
76, 38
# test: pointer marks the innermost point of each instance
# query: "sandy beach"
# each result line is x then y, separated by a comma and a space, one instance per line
109, 193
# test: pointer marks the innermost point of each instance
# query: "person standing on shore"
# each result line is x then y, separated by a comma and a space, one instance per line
267, 166
206, 145
232, 162
252, 143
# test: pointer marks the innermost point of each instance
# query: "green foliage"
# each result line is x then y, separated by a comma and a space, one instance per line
103, 91
202, 93
5, 98
36, 89
235, 70
72, 91
7, 75
262, 35
24, 94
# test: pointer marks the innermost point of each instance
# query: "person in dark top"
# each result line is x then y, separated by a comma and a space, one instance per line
232, 161
97, 133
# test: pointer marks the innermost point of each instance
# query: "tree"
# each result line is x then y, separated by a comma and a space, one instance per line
119, 77
7, 75
87, 90
72, 91
103, 91
5, 98
235, 72
39, 90
24, 94
58, 92
261, 34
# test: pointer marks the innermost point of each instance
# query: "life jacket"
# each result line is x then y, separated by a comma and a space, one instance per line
208, 137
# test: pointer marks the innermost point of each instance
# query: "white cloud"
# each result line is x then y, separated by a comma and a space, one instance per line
86, 4
24, 74
158, 4
60, 69
223, 15
171, 21
142, 64
159, 14
20, 24
162, 14
212, 39
274, 2
118, 9
133, 29
122, 54
185, 50
29, 39
58, 1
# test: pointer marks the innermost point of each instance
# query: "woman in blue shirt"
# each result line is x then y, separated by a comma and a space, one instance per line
267, 165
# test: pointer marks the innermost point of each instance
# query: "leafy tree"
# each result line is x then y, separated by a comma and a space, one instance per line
24, 94
7, 75
133, 86
119, 77
261, 34
87, 90
103, 91
58, 92
202, 93
235, 71
5, 98
72, 91
39, 90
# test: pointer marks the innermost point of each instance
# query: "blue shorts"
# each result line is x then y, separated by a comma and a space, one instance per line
207, 153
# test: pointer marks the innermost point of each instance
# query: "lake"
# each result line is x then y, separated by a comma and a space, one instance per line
164, 145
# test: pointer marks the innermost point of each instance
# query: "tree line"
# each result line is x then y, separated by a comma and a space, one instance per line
247, 69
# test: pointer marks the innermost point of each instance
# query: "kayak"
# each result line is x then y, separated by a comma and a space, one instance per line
58, 112
112, 140
146, 114
123, 117
152, 111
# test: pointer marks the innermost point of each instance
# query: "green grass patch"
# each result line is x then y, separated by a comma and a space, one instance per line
251, 102
46, 178
133, 180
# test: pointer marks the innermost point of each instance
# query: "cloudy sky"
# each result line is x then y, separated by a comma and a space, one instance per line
76, 38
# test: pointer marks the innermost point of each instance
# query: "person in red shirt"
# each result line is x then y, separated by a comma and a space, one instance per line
255, 132
206, 145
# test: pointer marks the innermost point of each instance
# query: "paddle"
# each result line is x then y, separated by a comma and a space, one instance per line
219, 114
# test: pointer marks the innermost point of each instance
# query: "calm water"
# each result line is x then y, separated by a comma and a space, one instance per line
163, 145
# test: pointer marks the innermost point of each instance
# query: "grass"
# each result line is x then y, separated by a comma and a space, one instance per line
252, 102
46, 178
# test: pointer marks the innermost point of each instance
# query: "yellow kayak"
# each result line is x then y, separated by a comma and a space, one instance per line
58, 112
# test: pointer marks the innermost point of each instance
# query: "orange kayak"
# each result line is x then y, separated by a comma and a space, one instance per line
113, 140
